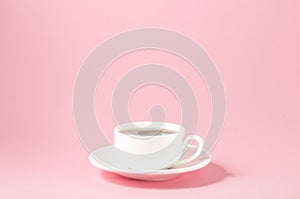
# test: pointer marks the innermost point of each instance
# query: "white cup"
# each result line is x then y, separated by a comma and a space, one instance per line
150, 137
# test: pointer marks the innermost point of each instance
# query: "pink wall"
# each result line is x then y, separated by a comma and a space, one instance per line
255, 45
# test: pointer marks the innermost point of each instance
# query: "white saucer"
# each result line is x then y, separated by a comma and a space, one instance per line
163, 174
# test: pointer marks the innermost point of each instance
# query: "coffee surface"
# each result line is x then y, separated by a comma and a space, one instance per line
147, 132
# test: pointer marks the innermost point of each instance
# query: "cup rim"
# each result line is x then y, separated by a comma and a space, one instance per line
149, 124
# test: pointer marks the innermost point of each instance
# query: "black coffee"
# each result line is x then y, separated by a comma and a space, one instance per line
148, 132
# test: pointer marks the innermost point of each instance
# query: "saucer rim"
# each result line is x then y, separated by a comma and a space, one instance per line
206, 160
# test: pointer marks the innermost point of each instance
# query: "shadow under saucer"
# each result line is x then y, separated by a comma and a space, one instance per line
210, 174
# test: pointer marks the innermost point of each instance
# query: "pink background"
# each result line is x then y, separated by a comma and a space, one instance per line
255, 45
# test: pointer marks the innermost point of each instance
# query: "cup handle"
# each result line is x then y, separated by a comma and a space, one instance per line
186, 146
